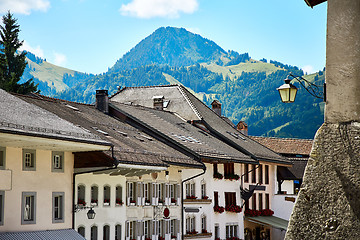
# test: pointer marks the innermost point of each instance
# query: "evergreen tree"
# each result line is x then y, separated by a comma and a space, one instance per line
12, 63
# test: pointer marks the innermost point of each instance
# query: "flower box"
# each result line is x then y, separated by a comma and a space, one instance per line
219, 209
106, 202
191, 197
81, 202
233, 208
255, 213
218, 176
205, 197
173, 201
119, 202
232, 177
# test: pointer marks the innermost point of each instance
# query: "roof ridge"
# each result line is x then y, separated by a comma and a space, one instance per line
277, 138
181, 89
152, 86
49, 99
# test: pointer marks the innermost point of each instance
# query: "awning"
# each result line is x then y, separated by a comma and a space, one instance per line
270, 221
61, 234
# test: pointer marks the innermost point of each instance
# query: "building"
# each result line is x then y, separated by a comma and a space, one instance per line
36, 169
258, 175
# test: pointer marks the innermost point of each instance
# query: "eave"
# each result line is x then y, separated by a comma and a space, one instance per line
312, 3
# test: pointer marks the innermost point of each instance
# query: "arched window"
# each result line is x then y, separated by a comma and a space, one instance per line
94, 195
118, 198
106, 232
81, 231
118, 232
203, 190
106, 195
94, 233
203, 224
81, 195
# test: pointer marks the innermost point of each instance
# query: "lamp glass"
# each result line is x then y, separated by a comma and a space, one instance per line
287, 92
91, 214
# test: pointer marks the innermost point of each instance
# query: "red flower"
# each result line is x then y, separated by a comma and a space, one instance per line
173, 200
218, 209
218, 175
233, 208
81, 202
205, 197
191, 197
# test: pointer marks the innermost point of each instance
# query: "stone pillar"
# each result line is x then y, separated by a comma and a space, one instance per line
328, 204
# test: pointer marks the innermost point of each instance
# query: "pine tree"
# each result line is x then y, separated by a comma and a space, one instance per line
12, 62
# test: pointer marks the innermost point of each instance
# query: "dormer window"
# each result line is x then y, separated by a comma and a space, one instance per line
158, 102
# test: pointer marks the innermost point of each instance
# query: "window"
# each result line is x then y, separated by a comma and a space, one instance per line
161, 228
266, 174
57, 162
29, 160
174, 227
106, 195
81, 231
94, 195
260, 201
203, 224
230, 199
2, 200
118, 232
267, 201
217, 232
131, 193
28, 211
161, 195
155, 192
81, 195
2, 157
190, 190
254, 201
260, 170
247, 205
190, 225
118, 196
228, 169
216, 198
106, 232
147, 228
231, 231
130, 229
246, 173
58, 207
253, 174
203, 190
94, 233
215, 169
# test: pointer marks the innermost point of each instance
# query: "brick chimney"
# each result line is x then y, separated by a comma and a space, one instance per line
158, 102
102, 101
216, 107
242, 127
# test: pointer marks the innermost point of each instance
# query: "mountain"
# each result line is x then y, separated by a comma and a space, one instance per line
246, 87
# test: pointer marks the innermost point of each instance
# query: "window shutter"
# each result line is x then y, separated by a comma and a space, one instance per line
178, 193
139, 193
128, 190
167, 193
177, 229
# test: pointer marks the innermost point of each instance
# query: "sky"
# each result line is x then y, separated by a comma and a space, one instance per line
90, 35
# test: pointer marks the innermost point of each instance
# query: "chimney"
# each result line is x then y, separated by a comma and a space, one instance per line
158, 102
242, 127
102, 101
216, 107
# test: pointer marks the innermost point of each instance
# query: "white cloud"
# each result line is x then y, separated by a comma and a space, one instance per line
37, 50
308, 69
158, 8
59, 59
24, 6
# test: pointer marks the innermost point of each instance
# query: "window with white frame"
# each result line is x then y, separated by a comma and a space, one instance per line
57, 164
190, 225
2, 200
161, 228
203, 224
131, 229
81, 195
173, 231
231, 230
161, 193
155, 224
94, 195
155, 192
28, 213
106, 195
217, 231
139, 193
94, 233
81, 231
147, 195
131, 198
203, 190
147, 229
29, 160
106, 232
118, 196
117, 232
58, 207
2, 157
190, 190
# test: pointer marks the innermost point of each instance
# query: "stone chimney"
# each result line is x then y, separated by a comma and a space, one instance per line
102, 101
242, 127
216, 107
158, 102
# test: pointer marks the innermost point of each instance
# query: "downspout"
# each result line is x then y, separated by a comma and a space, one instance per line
182, 198
115, 163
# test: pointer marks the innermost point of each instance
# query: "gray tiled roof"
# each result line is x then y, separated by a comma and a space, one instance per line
178, 131
18, 116
190, 107
60, 234
130, 144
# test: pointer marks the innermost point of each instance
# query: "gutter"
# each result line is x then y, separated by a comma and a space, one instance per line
115, 165
182, 197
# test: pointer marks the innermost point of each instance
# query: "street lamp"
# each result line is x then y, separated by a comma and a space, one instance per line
288, 91
90, 214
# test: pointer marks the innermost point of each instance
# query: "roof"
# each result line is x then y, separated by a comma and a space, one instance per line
286, 145
61, 234
175, 130
130, 144
313, 3
190, 107
20, 117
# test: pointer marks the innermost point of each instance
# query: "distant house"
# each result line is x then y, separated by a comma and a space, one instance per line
256, 170
36, 168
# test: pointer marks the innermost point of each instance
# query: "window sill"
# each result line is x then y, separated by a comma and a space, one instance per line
208, 201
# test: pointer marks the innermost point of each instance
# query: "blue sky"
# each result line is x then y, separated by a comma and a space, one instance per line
90, 35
